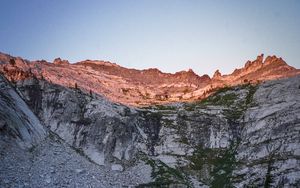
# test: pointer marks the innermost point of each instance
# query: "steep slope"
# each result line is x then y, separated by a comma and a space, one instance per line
246, 135
53, 163
32, 156
270, 137
141, 87
18, 124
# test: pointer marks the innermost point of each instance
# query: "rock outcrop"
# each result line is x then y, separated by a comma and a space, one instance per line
269, 137
18, 124
217, 75
259, 70
58, 61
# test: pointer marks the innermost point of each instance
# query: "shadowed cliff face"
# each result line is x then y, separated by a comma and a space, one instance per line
17, 122
141, 87
245, 135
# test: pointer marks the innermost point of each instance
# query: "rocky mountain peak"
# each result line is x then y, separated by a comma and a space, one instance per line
274, 60
217, 74
205, 77
59, 61
187, 73
260, 58
4, 58
256, 63
152, 70
98, 62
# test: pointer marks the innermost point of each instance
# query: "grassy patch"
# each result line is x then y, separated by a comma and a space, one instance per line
164, 107
163, 175
220, 100
223, 169
167, 122
150, 115
218, 162
238, 109
184, 140
227, 97
223, 90
251, 91
234, 113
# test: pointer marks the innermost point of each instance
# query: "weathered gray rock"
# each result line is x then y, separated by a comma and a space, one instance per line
240, 136
96, 126
268, 154
17, 122
117, 167
20, 168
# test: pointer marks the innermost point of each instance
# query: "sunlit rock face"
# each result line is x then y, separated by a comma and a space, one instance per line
141, 87
59, 61
259, 70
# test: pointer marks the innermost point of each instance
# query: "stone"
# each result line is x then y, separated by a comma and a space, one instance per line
6, 181
48, 179
117, 167
79, 171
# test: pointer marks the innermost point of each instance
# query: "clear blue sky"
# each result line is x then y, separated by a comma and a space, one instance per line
168, 34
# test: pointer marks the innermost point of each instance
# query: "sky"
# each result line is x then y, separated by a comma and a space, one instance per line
167, 34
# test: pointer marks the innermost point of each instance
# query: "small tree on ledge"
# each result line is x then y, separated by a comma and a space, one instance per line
12, 62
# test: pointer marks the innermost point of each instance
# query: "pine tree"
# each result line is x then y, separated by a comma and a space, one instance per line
12, 62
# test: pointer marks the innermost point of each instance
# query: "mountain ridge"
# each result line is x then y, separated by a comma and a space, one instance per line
142, 87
